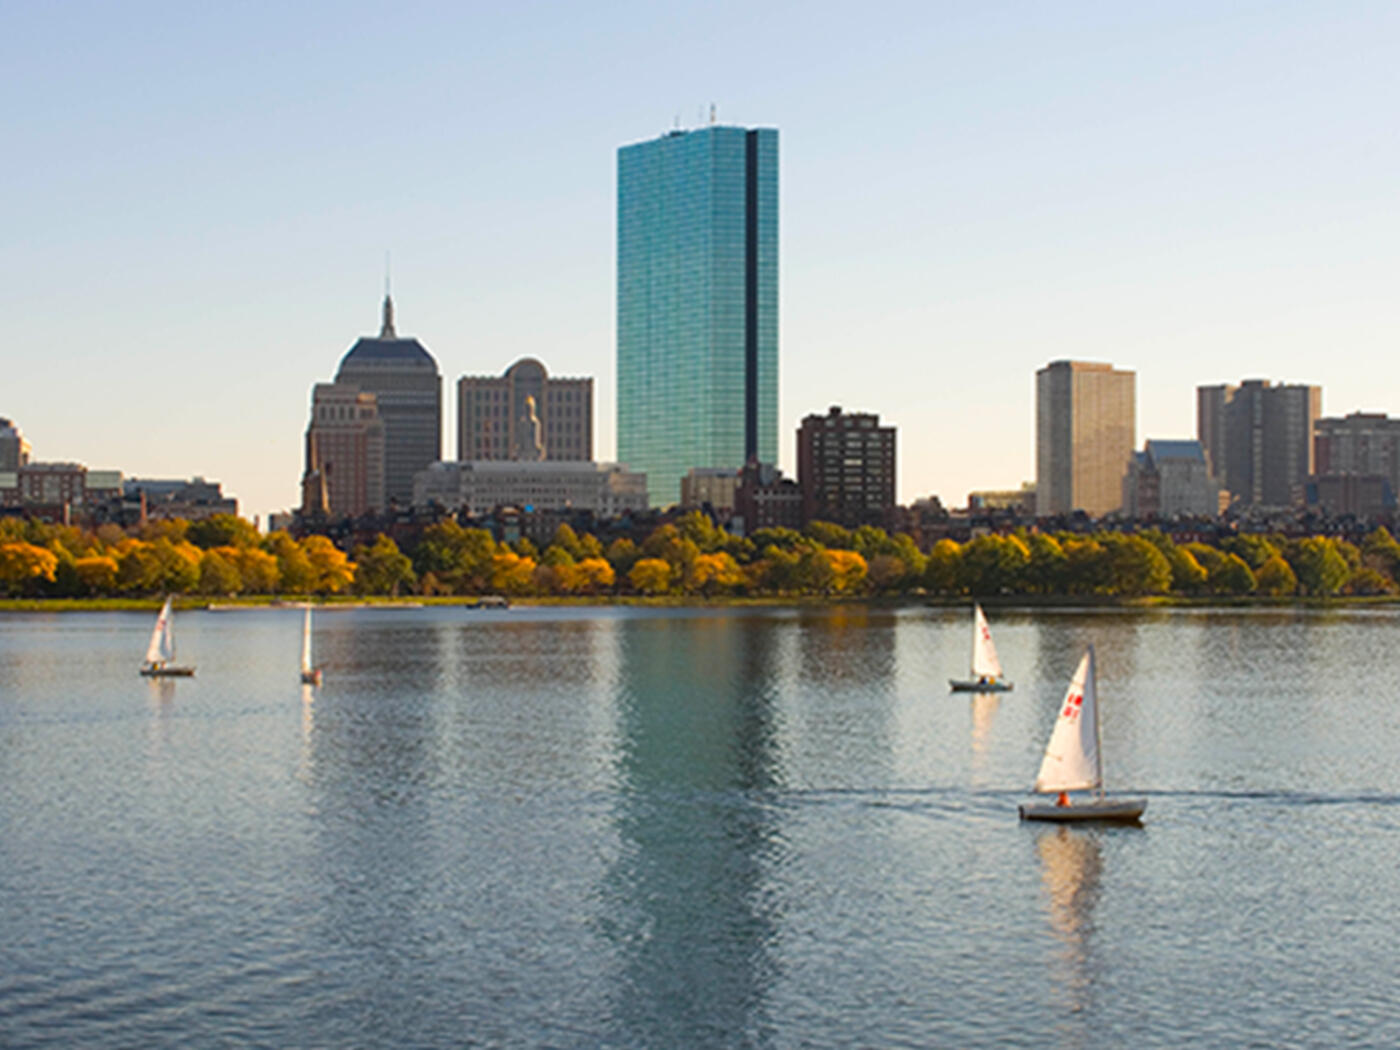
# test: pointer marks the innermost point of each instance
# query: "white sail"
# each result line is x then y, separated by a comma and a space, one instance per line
1072, 757
984, 653
162, 647
306, 642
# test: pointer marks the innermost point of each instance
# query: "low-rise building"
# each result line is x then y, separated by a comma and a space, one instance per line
764, 499
712, 487
192, 499
479, 486
1019, 501
56, 491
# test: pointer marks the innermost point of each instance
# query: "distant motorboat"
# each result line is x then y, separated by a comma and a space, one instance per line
986, 666
1074, 760
310, 674
160, 653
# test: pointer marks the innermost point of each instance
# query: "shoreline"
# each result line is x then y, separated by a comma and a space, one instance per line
471, 602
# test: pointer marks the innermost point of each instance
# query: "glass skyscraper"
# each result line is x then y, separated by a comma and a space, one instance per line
697, 303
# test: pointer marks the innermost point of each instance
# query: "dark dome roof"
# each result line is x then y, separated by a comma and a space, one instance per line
387, 349
379, 352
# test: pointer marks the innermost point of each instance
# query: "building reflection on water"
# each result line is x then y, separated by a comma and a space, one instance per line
688, 916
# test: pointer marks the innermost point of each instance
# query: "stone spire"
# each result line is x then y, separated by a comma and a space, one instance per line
387, 331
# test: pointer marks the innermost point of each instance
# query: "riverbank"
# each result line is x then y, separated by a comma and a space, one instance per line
1037, 601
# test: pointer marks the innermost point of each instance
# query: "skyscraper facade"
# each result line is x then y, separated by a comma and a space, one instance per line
525, 414
407, 386
697, 303
1085, 424
1258, 439
344, 475
14, 449
1363, 443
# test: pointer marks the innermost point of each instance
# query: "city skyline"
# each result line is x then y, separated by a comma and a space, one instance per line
202, 210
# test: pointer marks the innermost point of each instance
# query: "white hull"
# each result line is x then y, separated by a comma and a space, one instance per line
975, 686
1107, 809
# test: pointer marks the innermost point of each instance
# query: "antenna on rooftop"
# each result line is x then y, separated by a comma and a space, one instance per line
712, 112
386, 273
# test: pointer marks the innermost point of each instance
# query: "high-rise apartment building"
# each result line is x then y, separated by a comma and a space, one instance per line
1258, 439
345, 441
404, 379
1363, 443
1085, 426
14, 450
524, 414
845, 467
697, 303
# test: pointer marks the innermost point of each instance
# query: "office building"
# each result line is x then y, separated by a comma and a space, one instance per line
697, 303
1170, 479
1085, 426
1015, 501
345, 453
605, 489
14, 450
1350, 495
1258, 439
524, 414
404, 379
845, 467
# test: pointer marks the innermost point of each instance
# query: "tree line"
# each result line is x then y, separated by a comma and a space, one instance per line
225, 555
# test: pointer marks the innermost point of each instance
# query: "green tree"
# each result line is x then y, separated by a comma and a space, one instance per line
1382, 553
994, 564
1234, 576
622, 555
382, 568
1136, 567
566, 539
1188, 575
700, 530
832, 537
943, 572
217, 575
1252, 547
222, 530
1319, 566
1087, 566
1045, 572
1276, 578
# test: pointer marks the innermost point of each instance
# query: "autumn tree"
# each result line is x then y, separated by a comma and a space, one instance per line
382, 568
650, 576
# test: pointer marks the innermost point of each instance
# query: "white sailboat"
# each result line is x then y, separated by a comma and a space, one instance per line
1074, 760
986, 666
160, 653
309, 674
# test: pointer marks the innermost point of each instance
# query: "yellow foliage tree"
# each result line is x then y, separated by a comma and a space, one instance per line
22, 564
331, 571
512, 573
848, 571
98, 573
651, 576
716, 573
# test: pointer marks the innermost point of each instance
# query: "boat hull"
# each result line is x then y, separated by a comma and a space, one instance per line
958, 686
167, 672
1118, 810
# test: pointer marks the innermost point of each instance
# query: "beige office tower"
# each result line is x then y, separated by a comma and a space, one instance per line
345, 453
1258, 439
1085, 431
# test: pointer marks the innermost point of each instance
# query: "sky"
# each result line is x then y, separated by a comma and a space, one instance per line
196, 202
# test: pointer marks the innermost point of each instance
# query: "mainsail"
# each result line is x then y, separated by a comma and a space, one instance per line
984, 653
162, 647
1072, 757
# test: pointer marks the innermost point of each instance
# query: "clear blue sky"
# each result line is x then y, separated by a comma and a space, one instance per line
197, 200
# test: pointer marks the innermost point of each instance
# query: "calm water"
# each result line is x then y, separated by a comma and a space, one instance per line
622, 828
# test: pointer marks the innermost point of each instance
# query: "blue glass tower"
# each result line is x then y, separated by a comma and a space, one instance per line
697, 303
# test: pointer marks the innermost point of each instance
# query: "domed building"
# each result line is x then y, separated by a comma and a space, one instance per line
407, 386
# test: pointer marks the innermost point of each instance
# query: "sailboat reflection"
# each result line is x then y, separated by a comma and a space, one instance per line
1071, 863
984, 713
